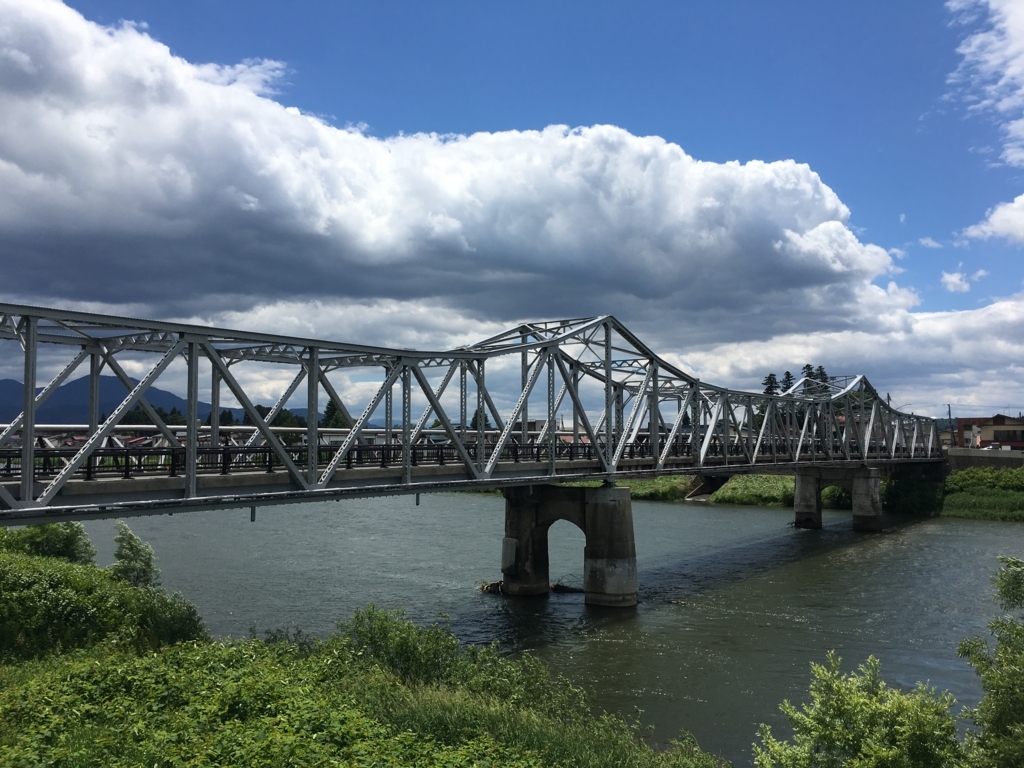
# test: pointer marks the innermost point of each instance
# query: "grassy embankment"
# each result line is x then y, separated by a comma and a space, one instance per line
983, 493
94, 671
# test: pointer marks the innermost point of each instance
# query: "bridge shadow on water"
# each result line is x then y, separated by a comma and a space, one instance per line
680, 578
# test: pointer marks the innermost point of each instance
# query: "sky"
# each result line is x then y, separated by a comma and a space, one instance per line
749, 186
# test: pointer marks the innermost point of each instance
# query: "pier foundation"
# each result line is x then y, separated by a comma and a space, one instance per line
605, 516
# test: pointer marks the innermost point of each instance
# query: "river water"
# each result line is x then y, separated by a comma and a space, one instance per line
734, 602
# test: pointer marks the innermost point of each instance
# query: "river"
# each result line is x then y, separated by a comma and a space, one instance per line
734, 602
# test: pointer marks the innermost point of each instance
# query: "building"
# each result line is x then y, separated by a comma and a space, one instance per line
999, 431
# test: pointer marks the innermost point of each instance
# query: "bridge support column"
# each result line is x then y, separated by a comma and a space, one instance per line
605, 516
867, 500
807, 500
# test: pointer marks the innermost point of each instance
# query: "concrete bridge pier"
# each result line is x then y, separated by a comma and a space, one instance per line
867, 500
863, 483
807, 500
605, 516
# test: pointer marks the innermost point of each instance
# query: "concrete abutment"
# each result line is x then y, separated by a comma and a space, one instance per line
604, 515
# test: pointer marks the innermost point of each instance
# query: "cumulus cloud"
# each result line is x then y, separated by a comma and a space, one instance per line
955, 282
992, 76
126, 171
1005, 220
136, 181
927, 242
930, 358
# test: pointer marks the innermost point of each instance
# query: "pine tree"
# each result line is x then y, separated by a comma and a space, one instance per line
787, 382
333, 417
480, 412
771, 384
136, 563
820, 375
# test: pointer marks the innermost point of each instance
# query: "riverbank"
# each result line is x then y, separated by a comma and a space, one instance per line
978, 493
378, 691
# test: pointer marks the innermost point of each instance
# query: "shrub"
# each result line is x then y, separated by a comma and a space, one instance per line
136, 563
835, 497
51, 605
857, 720
1000, 714
67, 541
337, 701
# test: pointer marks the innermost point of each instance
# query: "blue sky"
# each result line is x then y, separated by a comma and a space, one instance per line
749, 186
859, 91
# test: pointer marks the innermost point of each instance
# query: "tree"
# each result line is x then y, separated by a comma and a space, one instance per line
480, 413
333, 417
771, 384
1000, 714
136, 563
787, 382
857, 720
820, 375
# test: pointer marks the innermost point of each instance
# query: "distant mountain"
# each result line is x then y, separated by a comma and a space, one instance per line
70, 403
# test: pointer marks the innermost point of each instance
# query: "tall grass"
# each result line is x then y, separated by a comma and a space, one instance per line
984, 493
756, 490
380, 691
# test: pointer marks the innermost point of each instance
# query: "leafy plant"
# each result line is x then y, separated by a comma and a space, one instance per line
136, 563
51, 605
857, 720
68, 541
1001, 669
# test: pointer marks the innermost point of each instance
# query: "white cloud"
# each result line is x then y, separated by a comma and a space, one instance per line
134, 180
992, 74
927, 242
897, 253
955, 282
1005, 220
979, 274
903, 217
181, 184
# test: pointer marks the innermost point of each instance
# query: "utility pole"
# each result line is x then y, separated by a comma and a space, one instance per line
952, 432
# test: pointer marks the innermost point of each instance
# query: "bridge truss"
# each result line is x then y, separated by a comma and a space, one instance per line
444, 420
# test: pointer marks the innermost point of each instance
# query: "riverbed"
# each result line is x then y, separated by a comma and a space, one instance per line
734, 602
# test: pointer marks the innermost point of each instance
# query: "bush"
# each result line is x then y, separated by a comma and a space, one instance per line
857, 720
985, 493
67, 541
364, 696
1001, 711
50, 605
835, 497
757, 490
985, 477
136, 563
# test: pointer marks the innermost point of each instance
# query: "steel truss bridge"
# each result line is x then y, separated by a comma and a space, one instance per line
633, 414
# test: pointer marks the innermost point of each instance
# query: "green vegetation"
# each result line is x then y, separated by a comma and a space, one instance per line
1000, 715
136, 563
664, 488
96, 671
67, 541
757, 490
985, 493
857, 720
